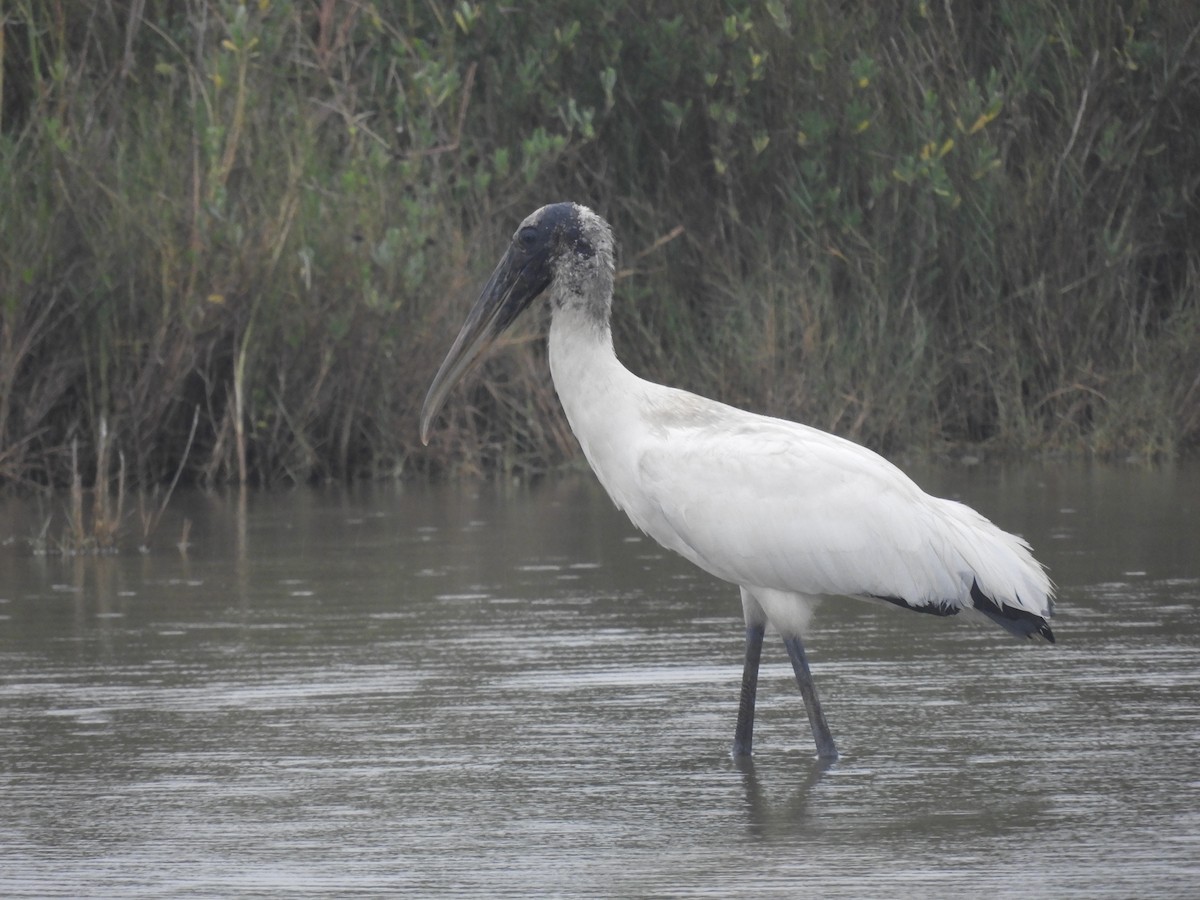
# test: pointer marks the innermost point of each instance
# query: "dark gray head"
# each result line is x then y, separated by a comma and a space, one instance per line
564, 249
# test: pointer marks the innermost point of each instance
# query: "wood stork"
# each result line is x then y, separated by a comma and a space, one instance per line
790, 514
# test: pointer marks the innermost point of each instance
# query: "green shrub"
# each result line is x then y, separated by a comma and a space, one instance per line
920, 225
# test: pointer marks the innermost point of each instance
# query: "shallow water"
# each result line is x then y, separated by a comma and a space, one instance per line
496, 692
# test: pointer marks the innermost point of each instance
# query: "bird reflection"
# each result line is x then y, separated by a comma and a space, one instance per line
771, 817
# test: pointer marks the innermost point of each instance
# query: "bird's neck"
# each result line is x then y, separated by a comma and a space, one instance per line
599, 395
583, 364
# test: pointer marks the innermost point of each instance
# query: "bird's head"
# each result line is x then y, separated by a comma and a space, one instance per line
564, 248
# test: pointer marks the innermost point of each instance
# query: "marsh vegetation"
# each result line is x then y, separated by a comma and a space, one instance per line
235, 238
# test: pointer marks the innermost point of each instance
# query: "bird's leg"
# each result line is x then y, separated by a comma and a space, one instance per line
743, 738
826, 749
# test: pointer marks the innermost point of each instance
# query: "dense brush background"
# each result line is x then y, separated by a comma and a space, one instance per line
236, 239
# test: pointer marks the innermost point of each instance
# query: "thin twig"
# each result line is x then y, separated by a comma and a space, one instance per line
149, 526
646, 251
1083, 99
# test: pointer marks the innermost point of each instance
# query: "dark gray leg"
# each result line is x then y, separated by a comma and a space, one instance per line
743, 738
826, 749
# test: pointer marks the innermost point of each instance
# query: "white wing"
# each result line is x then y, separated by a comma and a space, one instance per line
769, 503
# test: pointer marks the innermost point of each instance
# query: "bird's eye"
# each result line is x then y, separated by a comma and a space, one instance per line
527, 237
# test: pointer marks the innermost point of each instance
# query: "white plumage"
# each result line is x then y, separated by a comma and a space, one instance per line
789, 513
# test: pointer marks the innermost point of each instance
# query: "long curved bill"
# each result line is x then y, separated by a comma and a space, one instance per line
515, 283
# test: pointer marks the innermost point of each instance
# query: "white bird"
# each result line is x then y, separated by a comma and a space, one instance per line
790, 514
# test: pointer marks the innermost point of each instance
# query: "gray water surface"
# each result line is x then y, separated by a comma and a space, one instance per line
488, 692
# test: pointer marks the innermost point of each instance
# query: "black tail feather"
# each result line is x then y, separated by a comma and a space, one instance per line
933, 609
1017, 621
